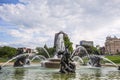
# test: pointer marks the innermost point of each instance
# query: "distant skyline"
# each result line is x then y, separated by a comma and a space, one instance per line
33, 23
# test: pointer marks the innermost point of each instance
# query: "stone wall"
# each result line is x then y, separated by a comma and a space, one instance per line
112, 45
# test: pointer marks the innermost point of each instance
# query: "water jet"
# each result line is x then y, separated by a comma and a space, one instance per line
48, 68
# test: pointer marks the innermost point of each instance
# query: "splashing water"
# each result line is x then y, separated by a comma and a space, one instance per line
14, 58
55, 56
46, 52
109, 61
40, 57
78, 49
102, 57
106, 59
77, 58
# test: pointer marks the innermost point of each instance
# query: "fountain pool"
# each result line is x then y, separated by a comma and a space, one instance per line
41, 73
48, 68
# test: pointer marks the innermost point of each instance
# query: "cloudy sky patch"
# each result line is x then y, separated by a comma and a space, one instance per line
31, 23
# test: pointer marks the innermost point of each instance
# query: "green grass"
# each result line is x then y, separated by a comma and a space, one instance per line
3, 59
114, 58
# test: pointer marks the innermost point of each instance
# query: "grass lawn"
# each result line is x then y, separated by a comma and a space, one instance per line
3, 59
114, 58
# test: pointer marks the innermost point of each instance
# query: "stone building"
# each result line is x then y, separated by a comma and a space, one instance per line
112, 45
25, 50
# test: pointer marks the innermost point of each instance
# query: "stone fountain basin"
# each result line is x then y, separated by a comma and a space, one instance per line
54, 60
51, 63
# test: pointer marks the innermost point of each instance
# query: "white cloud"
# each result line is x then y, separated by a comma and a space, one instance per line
38, 20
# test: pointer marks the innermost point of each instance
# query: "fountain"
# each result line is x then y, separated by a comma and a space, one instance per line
62, 62
42, 73
78, 50
40, 57
22, 60
56, 61
95, 61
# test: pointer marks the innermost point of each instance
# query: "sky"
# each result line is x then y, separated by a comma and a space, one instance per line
33, 23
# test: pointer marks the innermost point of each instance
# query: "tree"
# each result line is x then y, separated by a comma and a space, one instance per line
41, 51
92, 50
50, 50
45, 46
68, 43
7, 52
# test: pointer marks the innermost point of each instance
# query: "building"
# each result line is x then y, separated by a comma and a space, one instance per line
112, 45
86, 43
25, 50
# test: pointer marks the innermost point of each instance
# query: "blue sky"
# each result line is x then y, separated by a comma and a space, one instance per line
9, 1
32, 23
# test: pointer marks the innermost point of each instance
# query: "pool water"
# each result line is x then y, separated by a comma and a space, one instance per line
40, 73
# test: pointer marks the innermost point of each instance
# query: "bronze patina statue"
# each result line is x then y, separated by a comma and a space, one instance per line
66, 64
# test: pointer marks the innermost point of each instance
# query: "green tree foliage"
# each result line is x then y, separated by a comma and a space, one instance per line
68, 43
41, 51
7, 52
45, 46
92, 50
50, 50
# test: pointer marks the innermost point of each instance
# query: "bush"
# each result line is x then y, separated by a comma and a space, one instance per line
7, 52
